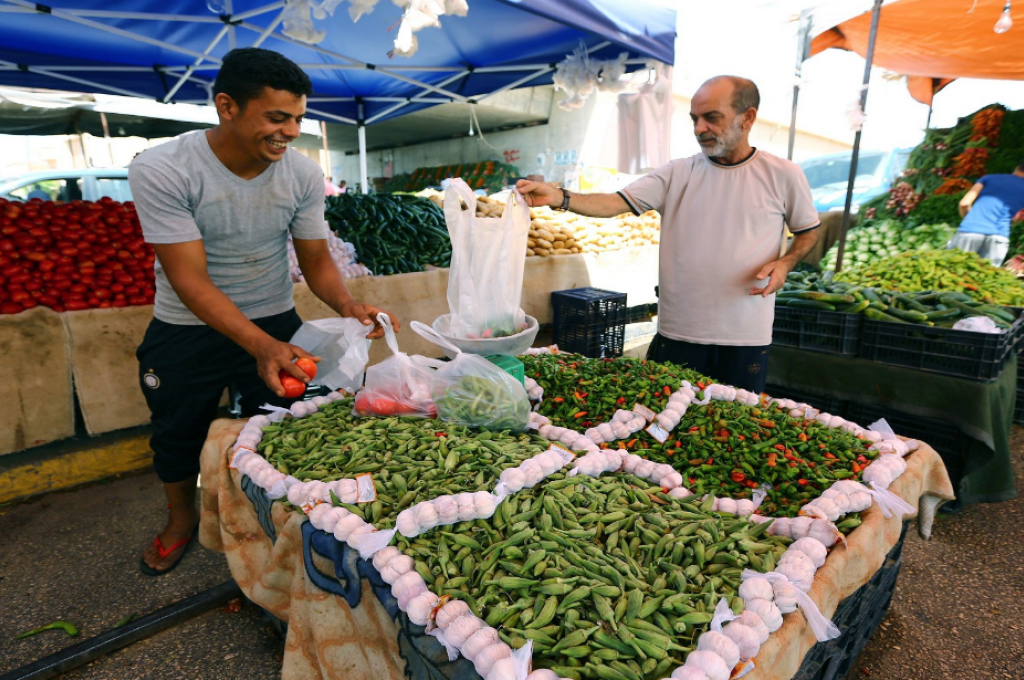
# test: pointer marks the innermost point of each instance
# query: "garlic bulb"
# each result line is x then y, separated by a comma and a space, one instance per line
689, 673
660, 472
545, 431
407, 587
407, 524
297, 495
710, 663
680, 492
447, 509
824, 533
503, 669
395, 568
384, 556
452, 610
420, 607
542, 674
644, 469
801, 526
745, 638
721, 645
768, 612
461, 628
332, 517
858, 501
671, 481
727, 505
346, 525
798, 568
744, 507
467, 507
755, 587
316, 515
754, 622
607, 432
785, 596
812, 548
348, 491
426, 516
478, 642
489, 656
484, 503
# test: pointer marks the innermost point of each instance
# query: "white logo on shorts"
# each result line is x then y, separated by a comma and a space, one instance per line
151, 381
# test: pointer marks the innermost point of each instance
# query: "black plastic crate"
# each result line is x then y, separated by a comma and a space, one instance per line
1018, 408
963, 354
590, 321
822, 402
857, 617
818, 331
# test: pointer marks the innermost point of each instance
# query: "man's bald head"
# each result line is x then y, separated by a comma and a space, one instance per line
744, 92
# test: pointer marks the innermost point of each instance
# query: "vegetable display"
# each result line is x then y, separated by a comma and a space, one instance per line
598, 573
601, 565
940, 271
74, 256
928, 308
887, 239
391, 233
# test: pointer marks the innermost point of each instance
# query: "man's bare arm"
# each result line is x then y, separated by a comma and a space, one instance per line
592, 205
968, 200
777, 270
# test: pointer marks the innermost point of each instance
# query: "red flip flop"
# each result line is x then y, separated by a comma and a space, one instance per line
164, 552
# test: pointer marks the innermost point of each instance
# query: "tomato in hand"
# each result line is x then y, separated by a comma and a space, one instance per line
293, 387
307, 366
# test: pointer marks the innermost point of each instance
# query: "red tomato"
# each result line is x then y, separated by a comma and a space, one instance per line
293, 387
76, 306
29, 303
308, 366
10, 308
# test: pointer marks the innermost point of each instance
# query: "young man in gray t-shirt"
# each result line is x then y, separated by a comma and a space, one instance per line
218, 206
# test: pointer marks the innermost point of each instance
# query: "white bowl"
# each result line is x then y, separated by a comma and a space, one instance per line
512, 345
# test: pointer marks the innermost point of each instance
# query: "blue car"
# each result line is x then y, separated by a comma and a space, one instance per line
829, 176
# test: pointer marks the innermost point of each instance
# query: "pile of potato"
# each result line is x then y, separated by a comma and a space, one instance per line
553, 232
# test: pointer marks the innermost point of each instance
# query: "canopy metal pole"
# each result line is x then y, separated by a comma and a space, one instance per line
928, 123
363, 183
803, 51
875, 13
327, 151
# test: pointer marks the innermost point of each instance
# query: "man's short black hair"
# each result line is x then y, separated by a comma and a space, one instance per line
247, 70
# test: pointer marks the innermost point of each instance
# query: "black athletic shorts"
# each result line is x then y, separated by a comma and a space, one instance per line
745, 367
183, 371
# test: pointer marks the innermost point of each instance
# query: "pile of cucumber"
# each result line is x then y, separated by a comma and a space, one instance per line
928, 308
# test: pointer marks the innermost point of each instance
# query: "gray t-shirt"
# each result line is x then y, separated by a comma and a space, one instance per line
184, 193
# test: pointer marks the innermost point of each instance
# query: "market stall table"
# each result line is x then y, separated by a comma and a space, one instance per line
344, 623
983, 411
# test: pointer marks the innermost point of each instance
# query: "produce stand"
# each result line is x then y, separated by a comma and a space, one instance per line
98, 346
983, 412
343, 621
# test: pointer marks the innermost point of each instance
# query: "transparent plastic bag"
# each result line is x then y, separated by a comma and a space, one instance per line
343, 347
470, 390
485, 282
398, 386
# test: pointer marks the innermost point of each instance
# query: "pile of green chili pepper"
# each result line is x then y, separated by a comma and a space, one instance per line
581, 392
606, 573
411, 459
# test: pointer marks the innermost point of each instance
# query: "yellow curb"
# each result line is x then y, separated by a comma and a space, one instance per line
71, 468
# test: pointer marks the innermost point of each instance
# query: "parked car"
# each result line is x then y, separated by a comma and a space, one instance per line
829, 176
68, 185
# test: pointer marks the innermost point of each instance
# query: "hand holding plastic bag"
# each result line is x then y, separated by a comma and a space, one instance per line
471, 391
399, 385
342, 345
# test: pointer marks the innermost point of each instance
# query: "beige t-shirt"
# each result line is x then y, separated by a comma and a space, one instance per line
719, 226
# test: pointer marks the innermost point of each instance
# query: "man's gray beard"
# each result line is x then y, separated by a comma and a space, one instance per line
727, 142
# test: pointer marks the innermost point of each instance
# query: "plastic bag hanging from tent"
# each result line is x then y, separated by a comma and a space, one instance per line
485, 282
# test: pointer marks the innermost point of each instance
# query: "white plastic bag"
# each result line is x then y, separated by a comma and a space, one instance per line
485, 283
399, 385
470, 390
342, 345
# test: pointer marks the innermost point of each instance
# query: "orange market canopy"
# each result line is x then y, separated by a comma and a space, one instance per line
934, 42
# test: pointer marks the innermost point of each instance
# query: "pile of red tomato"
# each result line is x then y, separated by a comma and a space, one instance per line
72, 256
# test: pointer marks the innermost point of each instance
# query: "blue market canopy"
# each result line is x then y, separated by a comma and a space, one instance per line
170, 50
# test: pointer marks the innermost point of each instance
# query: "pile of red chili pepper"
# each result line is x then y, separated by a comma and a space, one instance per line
581, 392
723, 448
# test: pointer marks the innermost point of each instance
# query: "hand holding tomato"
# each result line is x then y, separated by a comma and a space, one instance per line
275, 360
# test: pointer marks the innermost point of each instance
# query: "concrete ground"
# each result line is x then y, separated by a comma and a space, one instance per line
74, 555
